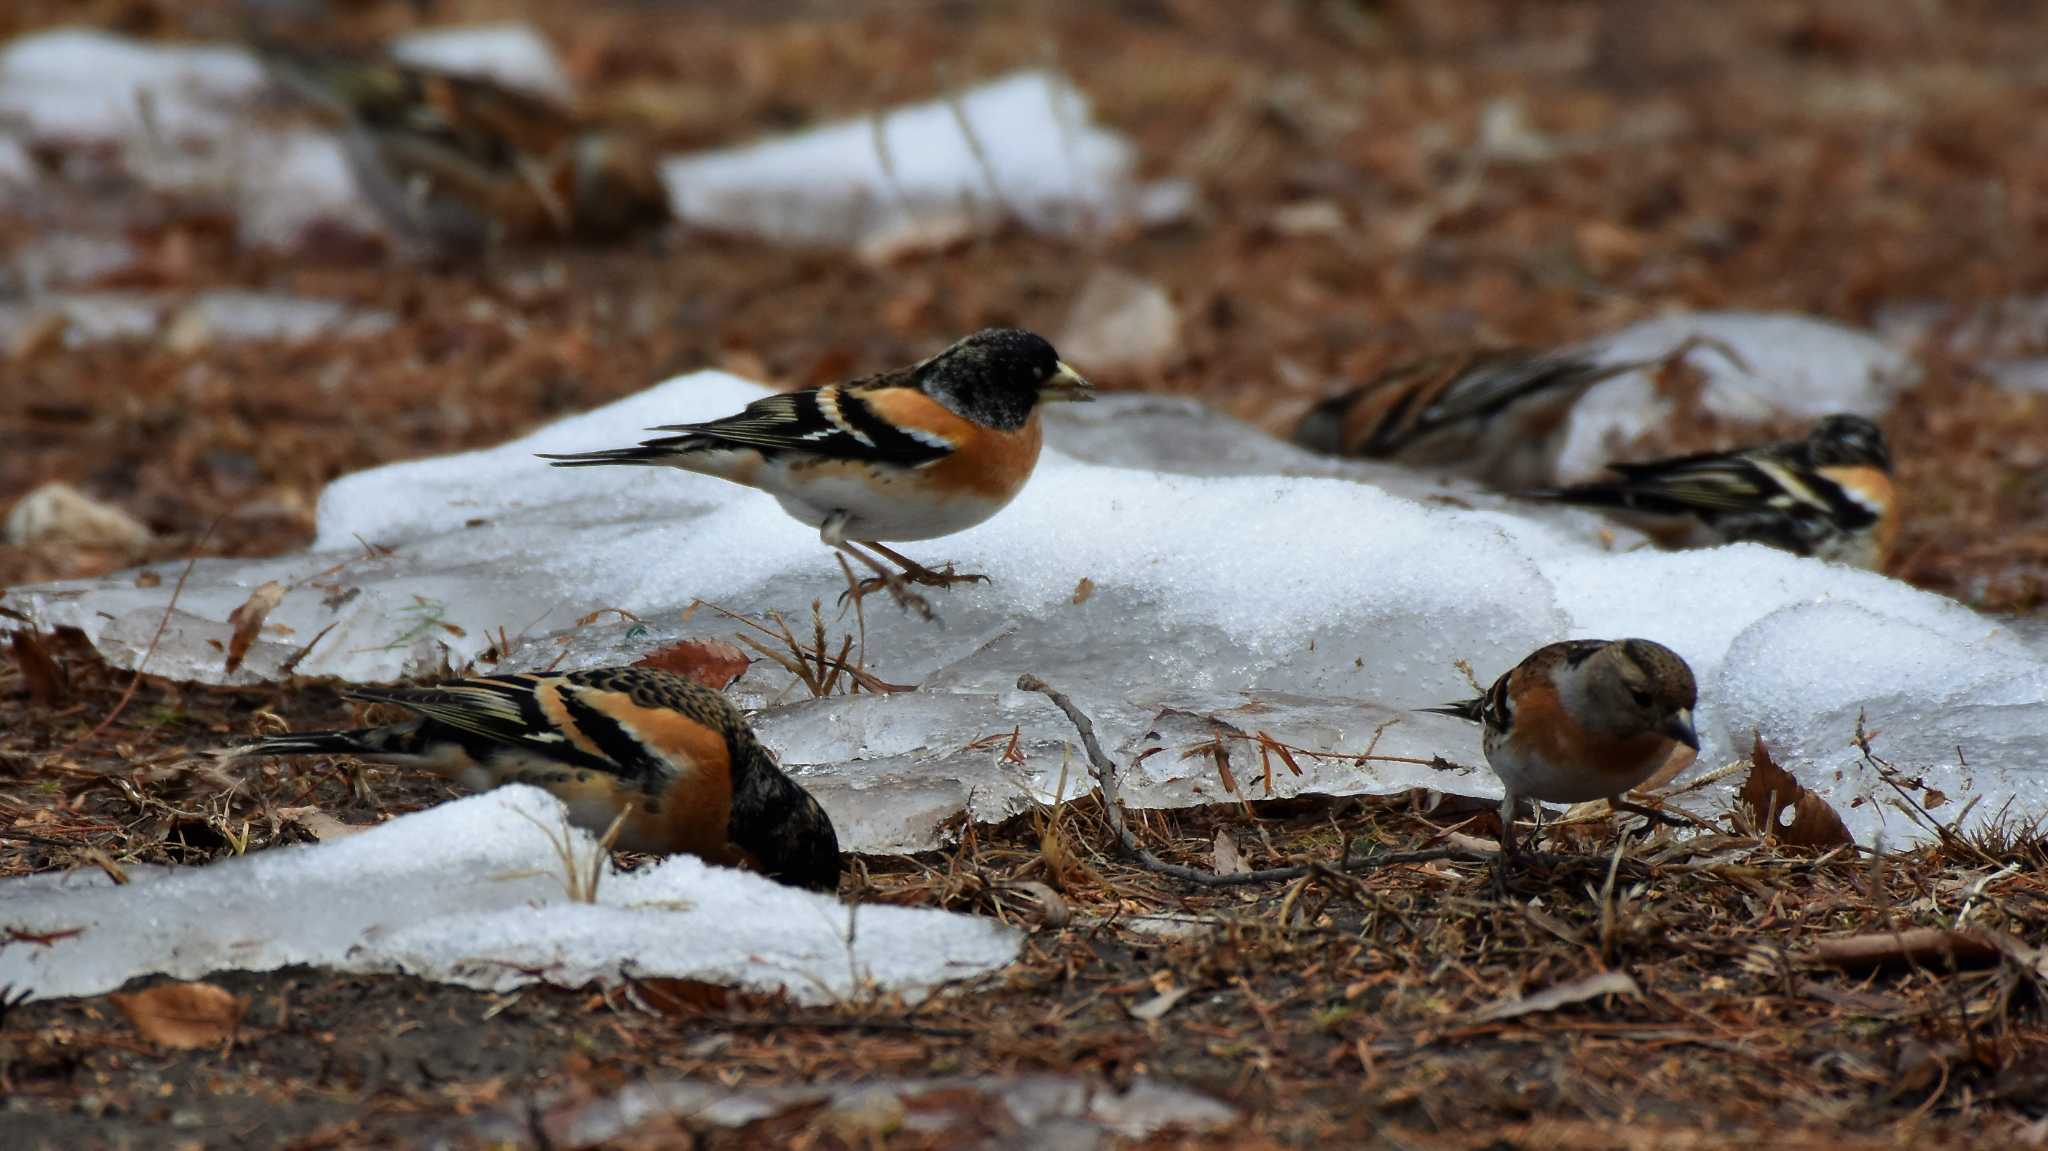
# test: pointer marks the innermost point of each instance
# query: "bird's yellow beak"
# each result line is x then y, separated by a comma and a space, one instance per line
1679, 727
1065, 385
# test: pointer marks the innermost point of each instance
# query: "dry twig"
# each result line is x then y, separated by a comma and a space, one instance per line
1112, 810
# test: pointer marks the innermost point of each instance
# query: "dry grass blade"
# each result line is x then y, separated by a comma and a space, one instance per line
155, 637
818, 671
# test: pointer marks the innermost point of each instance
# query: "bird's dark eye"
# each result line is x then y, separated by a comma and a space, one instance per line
1641, 697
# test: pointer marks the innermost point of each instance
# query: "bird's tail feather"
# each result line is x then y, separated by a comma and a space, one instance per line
1593, 495
1468, 709
653, 453
362, 741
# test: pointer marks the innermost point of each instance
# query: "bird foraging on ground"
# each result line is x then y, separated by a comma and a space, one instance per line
911, 454
1490, 414
1582, 720
676, 759
1828, 495
458, 162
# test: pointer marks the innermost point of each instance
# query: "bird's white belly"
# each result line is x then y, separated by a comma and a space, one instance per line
882, 511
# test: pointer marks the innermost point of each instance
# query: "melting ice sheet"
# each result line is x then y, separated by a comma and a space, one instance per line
1190, 581
1021, 146
471, 892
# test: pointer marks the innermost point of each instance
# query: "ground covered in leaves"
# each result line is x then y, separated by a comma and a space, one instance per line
1837, 158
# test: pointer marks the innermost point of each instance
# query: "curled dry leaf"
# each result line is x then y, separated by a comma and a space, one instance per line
1227, 859
183, 1015
1040, 899
1771, 791
248, 620
711, 662
1158, 1005
47, 683
1083, 590
321, 825
1561, 995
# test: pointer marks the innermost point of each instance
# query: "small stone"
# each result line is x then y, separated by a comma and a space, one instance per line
1120, 322
59, 513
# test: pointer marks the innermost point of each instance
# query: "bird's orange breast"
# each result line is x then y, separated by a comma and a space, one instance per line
1543, 728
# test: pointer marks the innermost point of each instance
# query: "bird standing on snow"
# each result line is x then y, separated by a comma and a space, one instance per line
677, 758
1582, 720
911, 454
1828, 495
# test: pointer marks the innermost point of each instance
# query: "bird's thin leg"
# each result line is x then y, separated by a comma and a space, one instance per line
1507, 846
832, 532
919, 574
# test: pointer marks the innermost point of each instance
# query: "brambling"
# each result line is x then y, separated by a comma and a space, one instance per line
1828, 495
910, 454
1581, 720
675, 756
461, 162
1489, 414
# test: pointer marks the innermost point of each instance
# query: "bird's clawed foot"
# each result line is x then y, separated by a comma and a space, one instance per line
1651, 815
923, 576
898, 582
898, 588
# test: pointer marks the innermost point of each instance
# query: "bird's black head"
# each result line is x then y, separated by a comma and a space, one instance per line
1844, 440
776, 822
998, 375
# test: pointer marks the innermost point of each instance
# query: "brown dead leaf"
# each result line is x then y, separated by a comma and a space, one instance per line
1157, 1006
323, 826
1561, 995
183, 1015
47, 683
683, 997
248, 620
1771, 791
1083, 590
1225, 856
711, 662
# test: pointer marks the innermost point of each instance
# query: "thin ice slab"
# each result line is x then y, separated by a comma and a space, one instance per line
1239, 616
1022, 147
473, 893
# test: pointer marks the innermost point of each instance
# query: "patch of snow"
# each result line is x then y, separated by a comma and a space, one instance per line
64, 259
232, 315
1044, 1110
1234, 585
1797, 366
225, 314
1021, 147
471, 892
80, 85
515, 55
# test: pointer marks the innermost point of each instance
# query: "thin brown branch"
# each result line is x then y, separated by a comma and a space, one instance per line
1112, 810
155, 637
